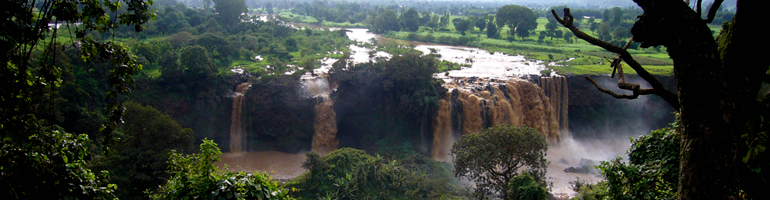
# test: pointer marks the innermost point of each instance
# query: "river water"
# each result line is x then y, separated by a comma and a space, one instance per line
480, 63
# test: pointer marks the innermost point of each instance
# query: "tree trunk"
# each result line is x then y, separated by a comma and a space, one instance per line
743, 53
716, 97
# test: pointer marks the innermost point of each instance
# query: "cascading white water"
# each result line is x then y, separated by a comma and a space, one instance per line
325, 123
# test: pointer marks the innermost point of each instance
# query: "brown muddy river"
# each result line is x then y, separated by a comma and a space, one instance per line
281, 166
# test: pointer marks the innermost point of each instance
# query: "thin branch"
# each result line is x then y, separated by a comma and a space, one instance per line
634, 95
657, 87
713, 11
697, 8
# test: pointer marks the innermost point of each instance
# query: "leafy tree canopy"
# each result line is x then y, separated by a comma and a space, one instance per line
35, 155
519, 19
493, 156
138, 161
230, 11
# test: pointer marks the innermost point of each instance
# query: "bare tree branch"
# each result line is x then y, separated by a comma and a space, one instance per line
697, 8
657, 87
713, 10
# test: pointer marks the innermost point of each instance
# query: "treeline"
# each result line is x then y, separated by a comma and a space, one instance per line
609, 24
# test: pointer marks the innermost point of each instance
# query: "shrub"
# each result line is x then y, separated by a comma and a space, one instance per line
545, 72
428, 38
651, 173
412, 36
524, 187
195, 177
349, 173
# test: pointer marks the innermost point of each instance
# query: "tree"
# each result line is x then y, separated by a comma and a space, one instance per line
170, 70
716, 86
481, 23
568, 36
433, 22
493, 156
491, 28
39, 160
444, 20
411, 20
424, 17
519, 19
230, 11
616, 17
138, 162
196, 63
385, 21
217, 45
524, 187
462, 25
551, 26
269, 8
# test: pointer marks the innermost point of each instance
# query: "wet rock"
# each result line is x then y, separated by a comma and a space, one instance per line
586, 167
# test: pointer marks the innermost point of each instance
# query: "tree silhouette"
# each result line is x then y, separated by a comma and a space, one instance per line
717, 85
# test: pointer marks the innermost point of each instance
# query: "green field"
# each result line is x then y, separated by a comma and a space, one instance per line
587, 60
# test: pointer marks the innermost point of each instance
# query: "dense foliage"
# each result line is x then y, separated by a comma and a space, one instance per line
352, 174
138, 160
524, 187
493, 157
35, 154
194, 176
520, 20
652, 171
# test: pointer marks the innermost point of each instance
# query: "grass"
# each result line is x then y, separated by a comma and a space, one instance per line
249, 65
596, 69
292, 17
587, 56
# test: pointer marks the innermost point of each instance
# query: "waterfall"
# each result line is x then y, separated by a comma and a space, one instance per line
325, 122
555, 87
468, 109
325, 136
236, 128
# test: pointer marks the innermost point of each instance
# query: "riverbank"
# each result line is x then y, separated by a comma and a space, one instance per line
576, 58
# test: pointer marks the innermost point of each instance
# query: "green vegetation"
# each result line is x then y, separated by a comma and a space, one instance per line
194, 176
492, 158
352, 174
40, 157
70, 129
524, 187
147, 137
651, 173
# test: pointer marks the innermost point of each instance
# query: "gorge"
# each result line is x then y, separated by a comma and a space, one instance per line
323, 114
